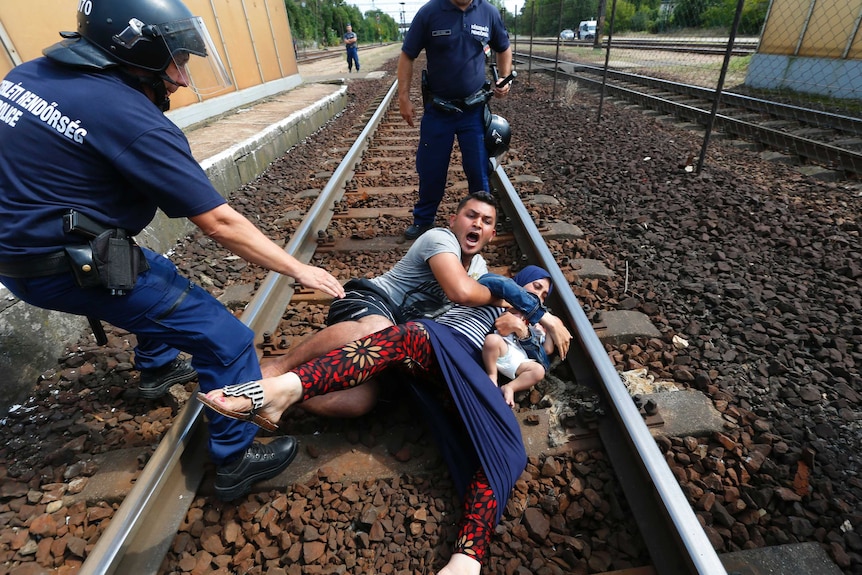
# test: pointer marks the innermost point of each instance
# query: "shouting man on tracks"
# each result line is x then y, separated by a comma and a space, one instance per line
439, 269
86, 158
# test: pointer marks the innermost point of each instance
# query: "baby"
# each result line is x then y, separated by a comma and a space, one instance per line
522, 360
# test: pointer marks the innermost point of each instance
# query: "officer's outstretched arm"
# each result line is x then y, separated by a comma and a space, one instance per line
235, 232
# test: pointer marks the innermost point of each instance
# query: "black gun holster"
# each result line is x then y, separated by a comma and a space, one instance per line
111, 259
118, 260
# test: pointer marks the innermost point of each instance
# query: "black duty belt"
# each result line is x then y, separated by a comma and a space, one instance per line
36, 266
457, 104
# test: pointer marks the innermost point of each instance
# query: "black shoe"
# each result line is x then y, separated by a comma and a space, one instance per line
416, 230
154, 383
260, 461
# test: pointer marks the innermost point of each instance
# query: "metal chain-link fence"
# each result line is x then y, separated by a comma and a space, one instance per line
808, 52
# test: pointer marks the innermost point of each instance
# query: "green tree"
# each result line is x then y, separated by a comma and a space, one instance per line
753, 17
323, 23
689, 13
623, 16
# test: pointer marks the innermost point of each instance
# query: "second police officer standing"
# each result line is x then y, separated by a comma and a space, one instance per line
86, 158
352, 49
457, 36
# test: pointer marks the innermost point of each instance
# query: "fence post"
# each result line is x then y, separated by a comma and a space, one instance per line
727, 54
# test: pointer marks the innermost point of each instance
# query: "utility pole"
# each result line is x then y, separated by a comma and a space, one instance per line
402, 21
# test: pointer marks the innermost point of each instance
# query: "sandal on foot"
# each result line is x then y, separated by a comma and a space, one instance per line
251, 390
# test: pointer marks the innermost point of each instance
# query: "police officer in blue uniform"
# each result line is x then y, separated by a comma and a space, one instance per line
86, 158
352, 47
457, 36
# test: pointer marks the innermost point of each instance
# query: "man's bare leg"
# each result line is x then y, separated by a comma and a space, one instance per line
351, 402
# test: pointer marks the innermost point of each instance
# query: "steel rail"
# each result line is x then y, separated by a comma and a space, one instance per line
849, 124
674, 536
819, 152
144, 526
693, 46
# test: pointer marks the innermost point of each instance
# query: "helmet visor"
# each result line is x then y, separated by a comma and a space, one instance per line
192, 51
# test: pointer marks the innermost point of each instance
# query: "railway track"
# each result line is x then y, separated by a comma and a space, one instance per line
741, 47
138, 547
168, 484
306, 56
813, 137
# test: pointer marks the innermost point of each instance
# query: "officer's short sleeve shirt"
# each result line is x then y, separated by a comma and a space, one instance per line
89, 141
454, 42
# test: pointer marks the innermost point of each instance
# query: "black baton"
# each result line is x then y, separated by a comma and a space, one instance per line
98, 330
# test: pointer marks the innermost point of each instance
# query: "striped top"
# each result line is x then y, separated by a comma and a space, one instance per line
472, 322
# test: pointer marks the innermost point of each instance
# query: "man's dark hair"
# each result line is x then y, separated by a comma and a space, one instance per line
484, 197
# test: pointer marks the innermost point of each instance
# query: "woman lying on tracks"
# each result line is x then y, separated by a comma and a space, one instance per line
476, 430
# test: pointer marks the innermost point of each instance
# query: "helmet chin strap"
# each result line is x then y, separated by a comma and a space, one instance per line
161, 98
153, 86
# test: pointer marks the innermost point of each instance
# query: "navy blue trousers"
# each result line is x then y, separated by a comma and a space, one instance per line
436, 139
353, 58
167, 313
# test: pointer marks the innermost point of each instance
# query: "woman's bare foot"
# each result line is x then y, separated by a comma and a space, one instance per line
461, 564
279, 393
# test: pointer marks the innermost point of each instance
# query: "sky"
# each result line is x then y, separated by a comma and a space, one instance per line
393, 7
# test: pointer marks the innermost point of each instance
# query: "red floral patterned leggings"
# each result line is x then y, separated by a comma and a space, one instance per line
407, 346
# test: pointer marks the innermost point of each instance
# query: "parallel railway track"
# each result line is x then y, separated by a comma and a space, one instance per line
143, 528
741, 47
174, 477
826, 139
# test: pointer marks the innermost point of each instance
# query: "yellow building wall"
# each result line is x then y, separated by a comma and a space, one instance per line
252, 36
826, 29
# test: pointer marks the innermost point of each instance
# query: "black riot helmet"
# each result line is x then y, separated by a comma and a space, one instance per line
498, 134
142, 33
146, 34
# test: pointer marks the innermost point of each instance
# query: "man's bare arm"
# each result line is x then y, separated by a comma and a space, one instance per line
235, 232
457, 285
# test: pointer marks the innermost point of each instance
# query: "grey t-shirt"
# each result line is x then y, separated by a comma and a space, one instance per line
411, 283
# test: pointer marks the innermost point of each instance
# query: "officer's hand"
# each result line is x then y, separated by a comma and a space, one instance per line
316, 278
501, 91
405, 106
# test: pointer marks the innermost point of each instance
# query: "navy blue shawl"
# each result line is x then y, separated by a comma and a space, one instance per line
494, 435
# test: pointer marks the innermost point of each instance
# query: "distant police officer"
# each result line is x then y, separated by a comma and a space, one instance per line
457, 36
352, 49
86, 157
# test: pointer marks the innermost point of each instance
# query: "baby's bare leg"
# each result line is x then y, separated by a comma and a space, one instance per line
494, 347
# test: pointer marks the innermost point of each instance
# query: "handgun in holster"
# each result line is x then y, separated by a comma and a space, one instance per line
110, 258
